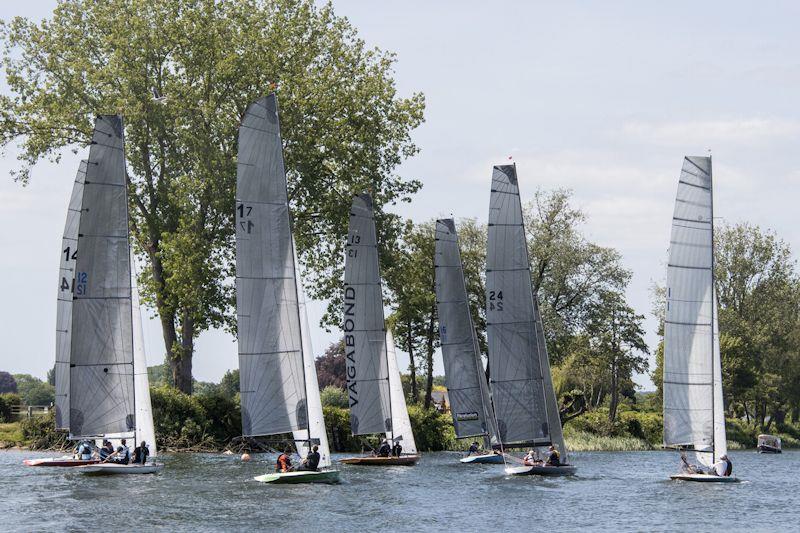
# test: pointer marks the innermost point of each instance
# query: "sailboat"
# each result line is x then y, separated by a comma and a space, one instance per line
278, 382
694, 418
467, 388
524, 400
102, 390
377, 403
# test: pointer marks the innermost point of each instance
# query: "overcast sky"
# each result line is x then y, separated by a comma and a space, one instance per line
604, 98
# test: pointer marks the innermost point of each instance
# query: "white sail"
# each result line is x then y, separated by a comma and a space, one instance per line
401, 423
693, 411
316, 420
141, 382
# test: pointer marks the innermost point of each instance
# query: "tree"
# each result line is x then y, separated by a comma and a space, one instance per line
229, 384
7, 383
331, 367
51, 376
617, 343
34, 391
334, 396
182, 73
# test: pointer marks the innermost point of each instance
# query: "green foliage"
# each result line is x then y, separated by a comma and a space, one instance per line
334, 397
637, 425
7, 402
229, 384
337, 424
40, 433
10, 434
7, 382
34, 391
194, 422
433, 431
581, 441
345, 130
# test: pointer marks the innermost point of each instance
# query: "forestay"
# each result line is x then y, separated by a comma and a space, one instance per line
101, 393
467, 389
272, 385
522, 390
66, 282
692, 402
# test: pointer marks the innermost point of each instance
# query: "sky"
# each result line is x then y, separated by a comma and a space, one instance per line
603, 98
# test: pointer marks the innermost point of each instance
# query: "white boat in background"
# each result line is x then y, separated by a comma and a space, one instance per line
694, 418
523, 396
467, 388
114, 469
769, 444
377, 403
278, 382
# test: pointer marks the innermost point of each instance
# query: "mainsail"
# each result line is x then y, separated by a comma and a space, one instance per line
693, 411
364, 328
101, 390
468, 391
522, 389
66, 281
272, 381
401, 423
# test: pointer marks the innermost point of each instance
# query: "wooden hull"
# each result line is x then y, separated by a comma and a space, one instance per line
285, 478
113, 469
703, 478
542, 470
403, 460
59, 462
489, 458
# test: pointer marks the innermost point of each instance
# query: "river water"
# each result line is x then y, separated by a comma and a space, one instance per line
613, 491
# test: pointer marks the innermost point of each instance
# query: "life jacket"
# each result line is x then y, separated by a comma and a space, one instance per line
284, 463
554, 459
84, 451
123, 455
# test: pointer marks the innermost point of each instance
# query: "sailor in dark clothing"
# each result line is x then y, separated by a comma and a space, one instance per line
397, 449
553, 457
384, 450
473, 448
141, 453
106, 450
311, 462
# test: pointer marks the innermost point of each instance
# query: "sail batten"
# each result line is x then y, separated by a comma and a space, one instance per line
272, 383
364, 327
522, 390
101, 384
468, 391
693, 415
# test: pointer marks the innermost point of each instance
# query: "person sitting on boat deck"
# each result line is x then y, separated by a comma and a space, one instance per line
105, 450
473, 448
83, 450
722, 468
397, 449
123, 455
284, 463
140, 454
530, 458
311, 462
553, 457
384, 449
686, 467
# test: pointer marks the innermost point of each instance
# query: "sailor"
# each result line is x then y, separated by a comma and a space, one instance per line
384, 450
311, 462
553, 457
284, 463
397, 449
123, 454
723, 467
686, 467
105, 450
141, 453
84, 450
473, 448
530, 458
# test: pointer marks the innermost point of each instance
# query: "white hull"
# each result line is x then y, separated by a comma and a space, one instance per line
703, 478
116, 469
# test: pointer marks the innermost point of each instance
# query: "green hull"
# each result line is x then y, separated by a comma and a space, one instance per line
282, 478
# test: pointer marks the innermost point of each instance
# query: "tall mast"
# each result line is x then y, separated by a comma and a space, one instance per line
713, 316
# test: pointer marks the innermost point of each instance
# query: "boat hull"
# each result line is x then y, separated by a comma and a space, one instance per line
291, 478
703, 478
489, 458
403, 460
542, 470
113, 469
59, 462
768, 449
